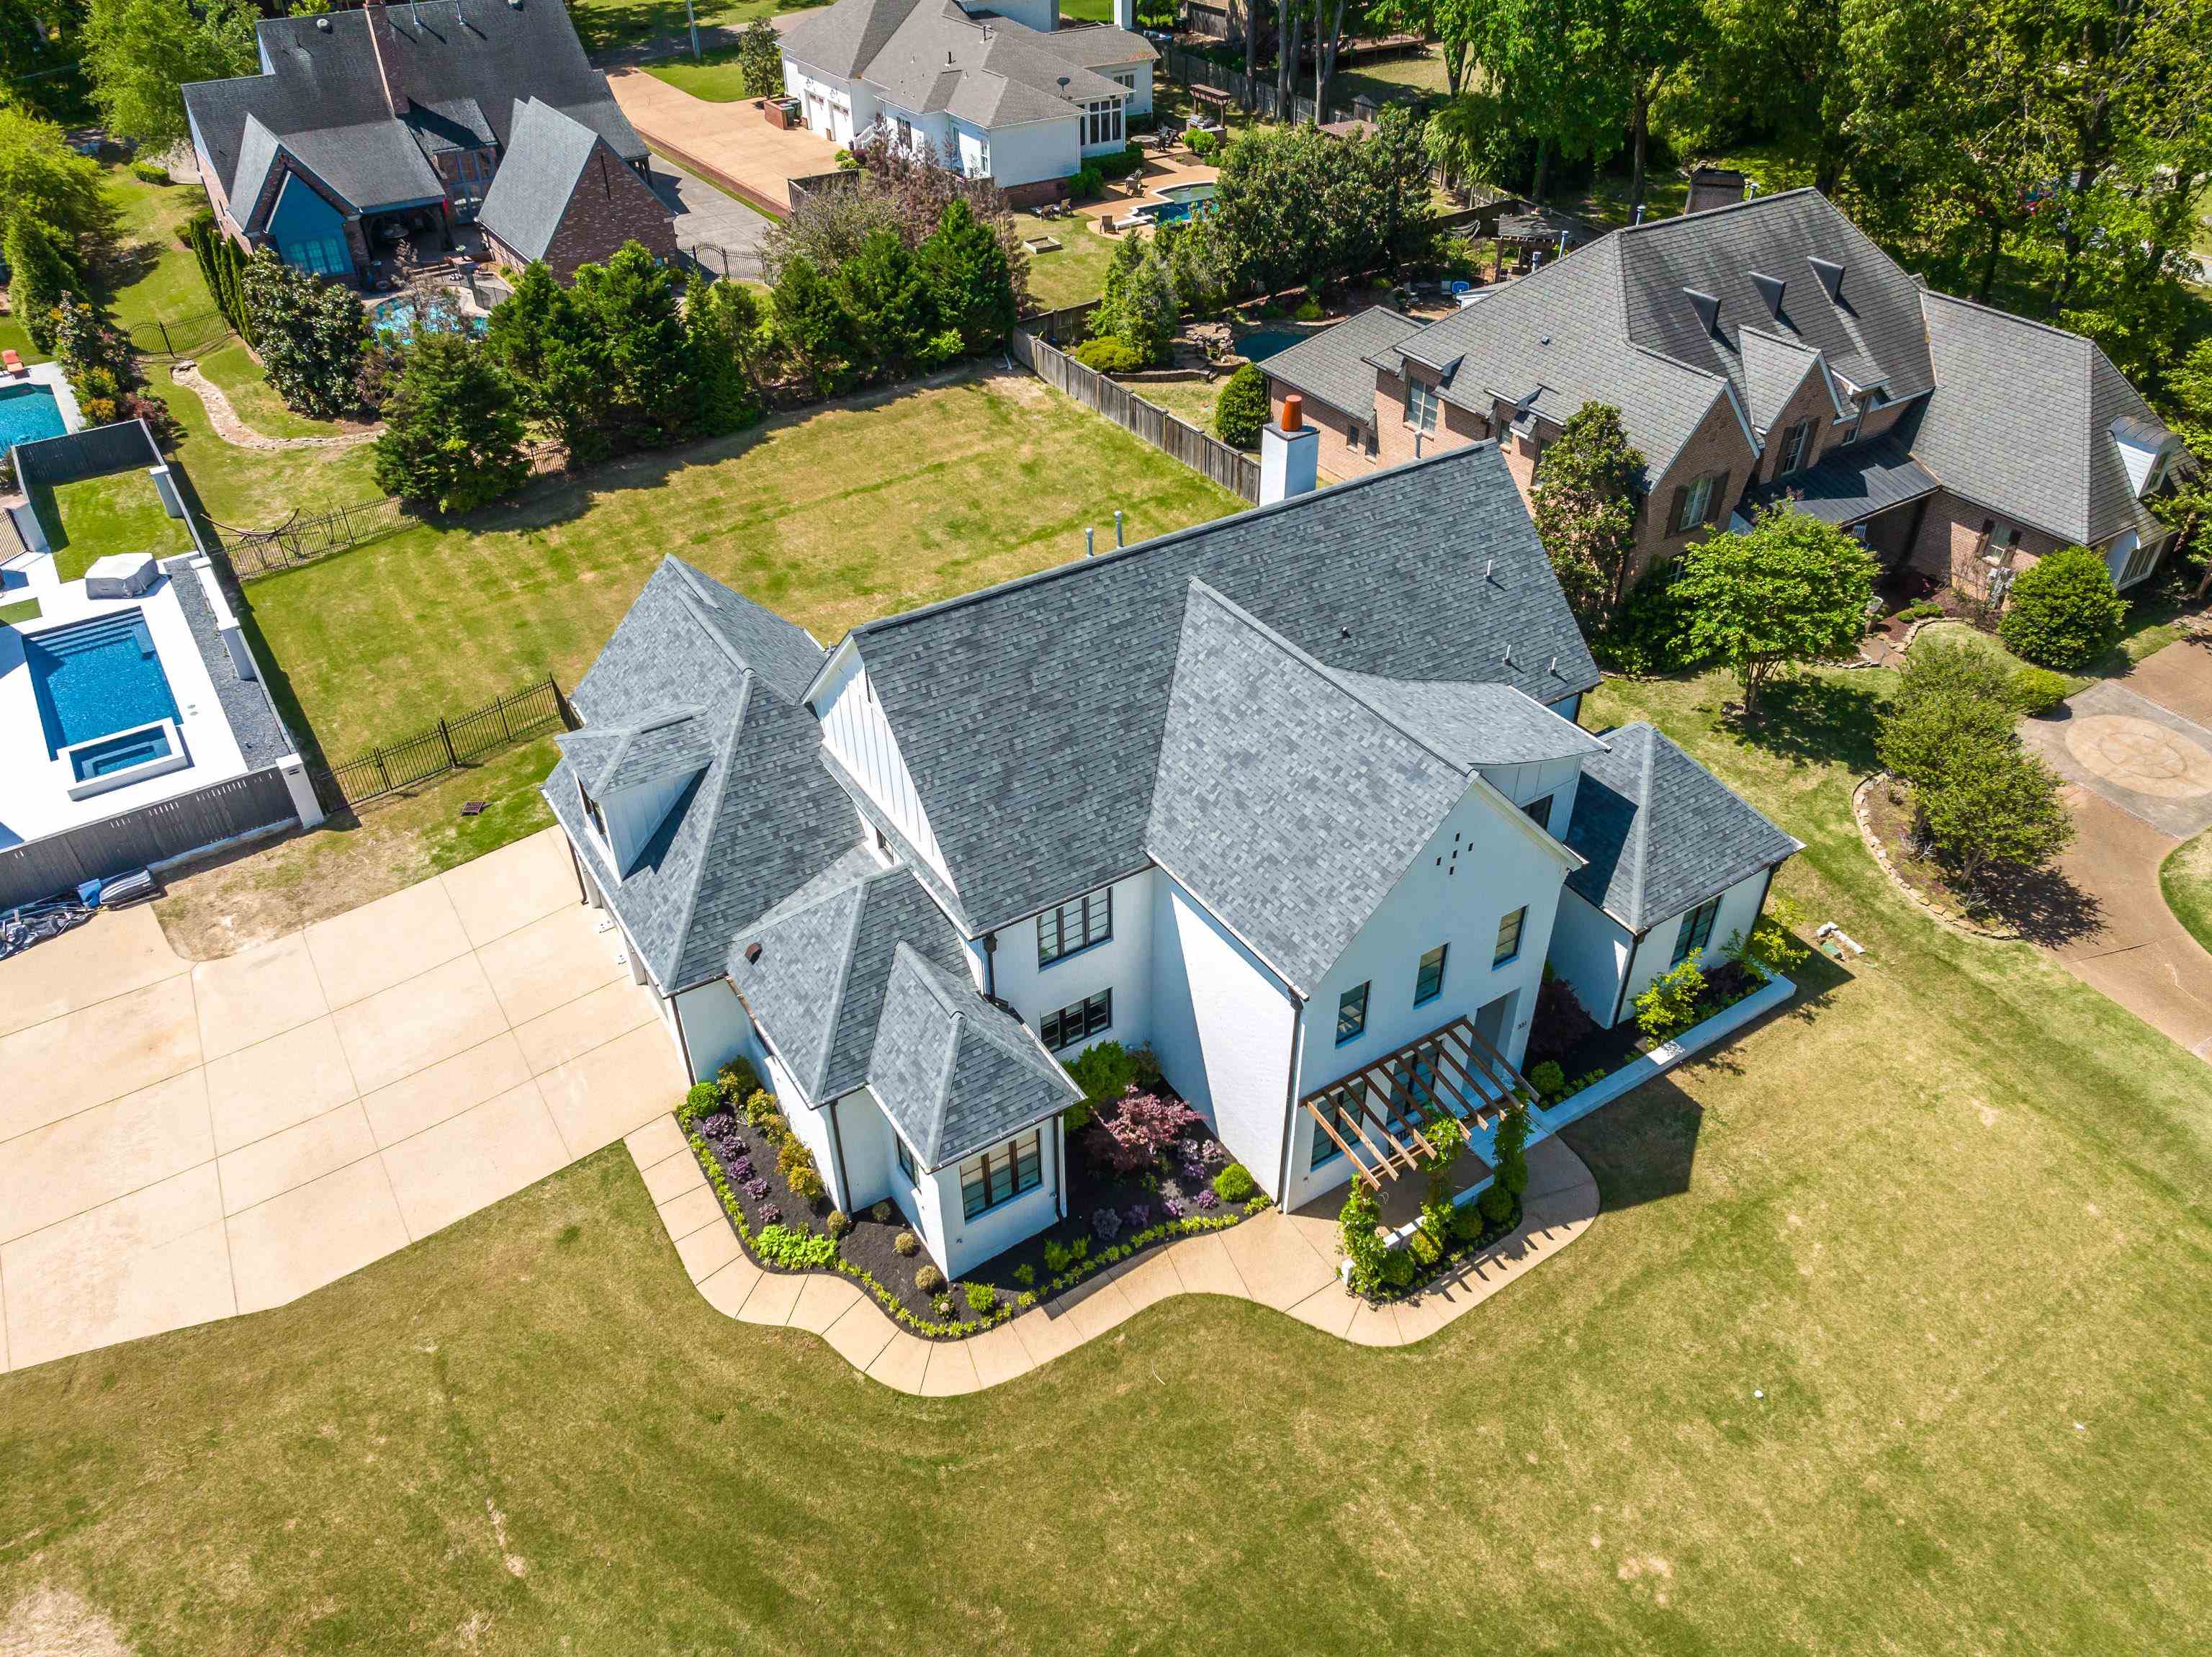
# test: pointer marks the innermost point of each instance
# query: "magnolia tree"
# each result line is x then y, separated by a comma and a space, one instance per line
309, 335
1585, 494
1789, 592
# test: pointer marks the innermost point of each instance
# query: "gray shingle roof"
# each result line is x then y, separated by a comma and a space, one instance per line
325, 87
927, 56
817, 985
1473, 725
1662, 832
1030, 714
1285, 803
1333, 365
546, 153
1773, 367
956, 1074
1850, 484
2021, 421
657, 743
763, 818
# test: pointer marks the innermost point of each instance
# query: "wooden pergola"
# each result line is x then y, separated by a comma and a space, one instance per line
1451, 1071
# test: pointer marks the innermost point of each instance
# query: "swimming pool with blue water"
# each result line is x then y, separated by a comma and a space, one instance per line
28, 413
96, 679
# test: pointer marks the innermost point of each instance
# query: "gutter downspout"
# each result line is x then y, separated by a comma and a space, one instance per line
577, 863
990, 966
1290, 1101
1060, 1164
683, 1040
837, 1150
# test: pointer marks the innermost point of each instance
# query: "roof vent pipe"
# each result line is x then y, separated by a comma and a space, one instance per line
1117, 526
1488, 565
752, 953
1089, 536
323, 24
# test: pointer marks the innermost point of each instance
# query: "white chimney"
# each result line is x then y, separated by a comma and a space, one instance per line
1290, 455
1125, 14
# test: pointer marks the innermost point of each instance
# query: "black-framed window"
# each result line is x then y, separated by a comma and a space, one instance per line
1075, 926
1429, 982
906, 1162
1508, 936
1696, 931
1698, 503
1539, 812
1079, 1022
1350, 1015
1422, 403
1337, 1110
1796, 449
1001, 1173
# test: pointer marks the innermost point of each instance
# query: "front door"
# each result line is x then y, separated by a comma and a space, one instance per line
1495, 1018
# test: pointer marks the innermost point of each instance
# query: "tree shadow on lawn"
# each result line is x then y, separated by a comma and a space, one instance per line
1828, 719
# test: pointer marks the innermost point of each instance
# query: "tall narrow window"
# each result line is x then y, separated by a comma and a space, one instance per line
906, 1162
1000, 1174
1337, 1111
1508, 936
1696, 931
1073, 926
1539, 812
1796, 447
1420, 404
1429, 982
1350, 1015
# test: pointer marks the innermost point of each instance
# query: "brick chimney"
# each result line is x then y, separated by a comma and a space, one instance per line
1290, 453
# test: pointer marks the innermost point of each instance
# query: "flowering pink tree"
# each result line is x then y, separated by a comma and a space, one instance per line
1137, 1128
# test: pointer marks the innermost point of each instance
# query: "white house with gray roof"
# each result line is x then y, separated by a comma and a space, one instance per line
1005, 93
1298, 798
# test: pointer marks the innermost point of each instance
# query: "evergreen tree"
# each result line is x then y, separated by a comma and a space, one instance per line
1586, 490
721, 321
888, 295
1139, 307
968, 273
554, 357
632, 301
2064, 612
309, 334
760, 59
41, 275
1241, 408
811, 319
452, 439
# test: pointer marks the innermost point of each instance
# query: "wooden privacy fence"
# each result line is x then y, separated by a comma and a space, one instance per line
452, 743
147, 838
1231, 468
303, 537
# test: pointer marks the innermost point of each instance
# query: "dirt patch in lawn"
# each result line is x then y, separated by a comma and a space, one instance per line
50, 1622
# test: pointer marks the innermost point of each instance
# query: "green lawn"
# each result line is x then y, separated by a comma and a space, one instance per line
2186, 879
232, 367
21, 610
1073, 272
717, 77
121, 512
253, 489
1893, 1338
830, 518
607, 26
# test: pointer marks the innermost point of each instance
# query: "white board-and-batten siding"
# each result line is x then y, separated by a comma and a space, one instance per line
856, 731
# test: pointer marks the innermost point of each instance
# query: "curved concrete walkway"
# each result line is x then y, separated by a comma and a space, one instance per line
235, 432
1285, 1261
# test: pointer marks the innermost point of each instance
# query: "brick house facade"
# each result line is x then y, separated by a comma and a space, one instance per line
609, 206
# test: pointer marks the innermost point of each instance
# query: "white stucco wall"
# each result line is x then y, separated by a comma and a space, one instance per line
1043, 15
853, 107
855, 730
866, 1136
1222, 1025
1589, 950
1442, 898
1523, 784
1122, 964
716, 1029
809, 1126
1034, 152
1739, 907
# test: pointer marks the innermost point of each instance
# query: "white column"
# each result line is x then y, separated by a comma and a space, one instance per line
304, 803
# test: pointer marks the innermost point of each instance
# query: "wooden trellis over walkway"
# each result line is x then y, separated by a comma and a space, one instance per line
1452, 1072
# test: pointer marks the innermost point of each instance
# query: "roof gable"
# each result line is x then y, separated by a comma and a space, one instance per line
1038, 774
546, 154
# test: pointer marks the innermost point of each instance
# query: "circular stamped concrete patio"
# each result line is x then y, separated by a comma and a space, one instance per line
2140, 756
1286, 1261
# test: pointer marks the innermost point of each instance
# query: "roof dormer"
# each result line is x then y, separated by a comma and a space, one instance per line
628, 775
2146, 450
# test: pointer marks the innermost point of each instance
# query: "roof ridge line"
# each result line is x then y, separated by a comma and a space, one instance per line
2000, 313
1172, 538
726, 753
1725, 207
844, 980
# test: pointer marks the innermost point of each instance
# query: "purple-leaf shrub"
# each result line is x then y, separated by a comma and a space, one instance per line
1106, 1224
771, 1214
742, 1168
1174, 1206
1139, 1214
1138, 1128
1207, 1199
756, 1189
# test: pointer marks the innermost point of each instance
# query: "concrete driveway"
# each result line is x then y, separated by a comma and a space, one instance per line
2136, 755
719, 233
181, 1142
732, 145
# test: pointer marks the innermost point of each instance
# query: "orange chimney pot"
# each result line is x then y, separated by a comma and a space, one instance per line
1294, 412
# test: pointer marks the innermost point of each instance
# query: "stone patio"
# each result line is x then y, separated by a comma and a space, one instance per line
181, 1142
1287, 1261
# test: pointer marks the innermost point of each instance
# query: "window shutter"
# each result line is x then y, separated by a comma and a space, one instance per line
1717, 502
1675, 509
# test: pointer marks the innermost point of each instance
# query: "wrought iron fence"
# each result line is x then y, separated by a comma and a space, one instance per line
184, 337
304, 537
453, 742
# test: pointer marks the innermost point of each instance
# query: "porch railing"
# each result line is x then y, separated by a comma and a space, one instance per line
1451, 1071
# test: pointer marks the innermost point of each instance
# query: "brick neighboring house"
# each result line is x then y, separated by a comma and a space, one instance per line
366, 126
1762, 351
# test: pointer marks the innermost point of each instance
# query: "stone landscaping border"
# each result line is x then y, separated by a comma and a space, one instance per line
1927, 905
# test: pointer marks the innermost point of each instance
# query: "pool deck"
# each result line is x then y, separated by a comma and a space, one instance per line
34, 799
1159, 173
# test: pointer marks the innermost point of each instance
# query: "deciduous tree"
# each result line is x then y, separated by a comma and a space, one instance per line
1789, 591
139, 52
41, 177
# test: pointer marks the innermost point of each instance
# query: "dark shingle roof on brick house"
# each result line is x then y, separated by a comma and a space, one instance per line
546, 155
1333, 365
1851, 484
1030, 714
761, 819
1661, 833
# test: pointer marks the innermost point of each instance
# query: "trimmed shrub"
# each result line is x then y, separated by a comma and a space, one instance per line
1547, 1078
882, 1211
1509, 1151
2064, 612
1235, 1184
149, 173
928, 1279
907, 1243
1467, 1223
1131, 160
1105, 1069
837, 1222
1397, 1269
2038, 690
738, 1080
1425, 1249
698, 1100
1241, 408
805, 1184
1108, 355
1203, 144
1496, 1205
1087, 184
982, 1297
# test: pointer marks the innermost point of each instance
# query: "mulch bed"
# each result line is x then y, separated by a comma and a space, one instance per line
1179, 1188
1589, 1049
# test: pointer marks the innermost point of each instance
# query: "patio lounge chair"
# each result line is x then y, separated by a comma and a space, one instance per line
14, 365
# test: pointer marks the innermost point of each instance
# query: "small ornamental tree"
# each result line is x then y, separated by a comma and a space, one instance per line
721, 325
1669, 1005
760, 59
1241, 408
42, 274
1996, 807
967, 271
1789, 592
452, 438
1135, 1130
1585, 492
309, 335
810, 318
2063, 611
1951, 698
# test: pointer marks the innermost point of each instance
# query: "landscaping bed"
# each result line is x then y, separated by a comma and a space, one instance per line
1568, 1050
774, 1199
